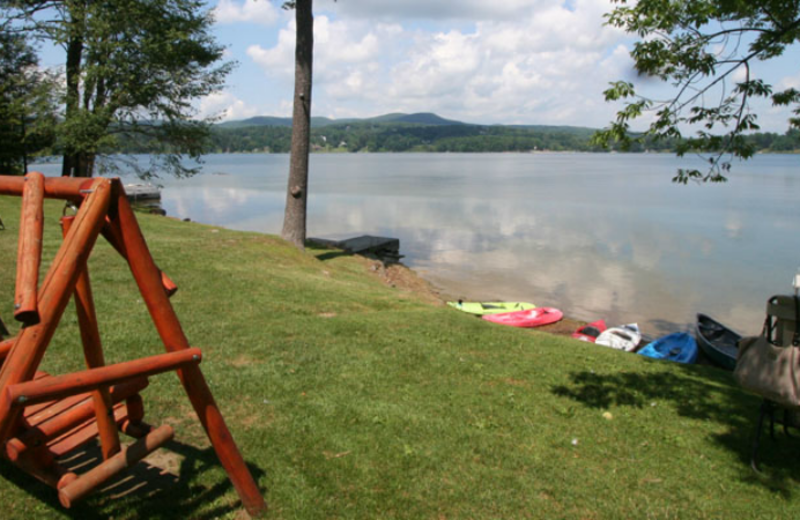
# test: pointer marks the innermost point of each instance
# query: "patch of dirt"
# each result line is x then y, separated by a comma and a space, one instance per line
167, 461
403, 278
240, 361
564, 327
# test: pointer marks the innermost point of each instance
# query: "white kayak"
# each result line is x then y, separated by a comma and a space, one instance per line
624, 337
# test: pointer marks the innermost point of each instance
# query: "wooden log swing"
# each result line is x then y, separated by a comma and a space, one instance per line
42, 416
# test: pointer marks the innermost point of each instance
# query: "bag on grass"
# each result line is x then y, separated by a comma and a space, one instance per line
769, 364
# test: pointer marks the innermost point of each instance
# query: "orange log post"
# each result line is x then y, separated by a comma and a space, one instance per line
111, 234
56, 387
78, 488
134, 426
59, 284
148, 278
93, 353
29, 252
5, 347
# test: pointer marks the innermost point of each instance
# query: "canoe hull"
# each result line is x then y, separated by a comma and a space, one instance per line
529, 318
718, 342
679, 347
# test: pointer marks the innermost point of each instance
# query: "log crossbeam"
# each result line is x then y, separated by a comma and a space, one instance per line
58, 387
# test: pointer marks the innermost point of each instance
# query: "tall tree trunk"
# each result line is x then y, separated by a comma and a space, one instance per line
294, 220
71, 163
24, 146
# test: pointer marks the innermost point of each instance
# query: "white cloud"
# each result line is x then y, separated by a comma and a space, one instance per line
261, 12
226, 106
349, 57
438, 9
787, 82
739, 75
549, 64
274, 61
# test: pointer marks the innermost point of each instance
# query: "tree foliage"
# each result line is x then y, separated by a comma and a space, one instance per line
131, 67
28, 105
705, 49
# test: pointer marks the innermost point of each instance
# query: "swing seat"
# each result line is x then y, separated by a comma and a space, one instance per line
54, 429
58, 416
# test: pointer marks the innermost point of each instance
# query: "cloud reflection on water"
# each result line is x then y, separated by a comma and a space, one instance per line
596, 235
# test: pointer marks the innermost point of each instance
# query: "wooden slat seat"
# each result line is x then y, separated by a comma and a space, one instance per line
84, 433
69, 423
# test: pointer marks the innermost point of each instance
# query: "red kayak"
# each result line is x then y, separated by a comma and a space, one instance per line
527, 318
590, 331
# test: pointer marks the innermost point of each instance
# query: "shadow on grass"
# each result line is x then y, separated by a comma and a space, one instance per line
146, 490
330, 255
705, 395
324, 251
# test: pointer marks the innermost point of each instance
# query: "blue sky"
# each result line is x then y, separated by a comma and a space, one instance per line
508, 62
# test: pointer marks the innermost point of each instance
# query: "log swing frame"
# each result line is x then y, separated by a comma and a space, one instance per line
43, 417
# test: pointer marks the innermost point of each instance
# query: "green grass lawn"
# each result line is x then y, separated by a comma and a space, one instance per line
352, 399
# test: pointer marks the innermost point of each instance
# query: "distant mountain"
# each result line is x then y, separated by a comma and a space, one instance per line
423, 118
420, 118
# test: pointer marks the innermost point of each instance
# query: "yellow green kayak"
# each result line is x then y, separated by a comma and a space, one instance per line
481, 308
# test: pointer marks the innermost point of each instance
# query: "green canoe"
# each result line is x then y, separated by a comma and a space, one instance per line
481, 308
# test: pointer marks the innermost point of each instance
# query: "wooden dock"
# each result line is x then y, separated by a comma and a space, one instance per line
136, 192
383, 248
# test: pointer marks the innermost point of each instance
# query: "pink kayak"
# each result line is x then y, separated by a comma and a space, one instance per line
590, 331
527, 318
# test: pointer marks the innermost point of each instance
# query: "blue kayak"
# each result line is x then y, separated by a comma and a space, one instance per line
679, 347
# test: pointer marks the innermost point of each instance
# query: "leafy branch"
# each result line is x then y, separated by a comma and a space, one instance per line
698, 46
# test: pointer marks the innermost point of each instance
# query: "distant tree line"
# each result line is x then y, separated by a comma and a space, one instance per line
404, 137
447, 138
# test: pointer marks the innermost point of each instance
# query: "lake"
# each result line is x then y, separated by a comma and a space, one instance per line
596, 235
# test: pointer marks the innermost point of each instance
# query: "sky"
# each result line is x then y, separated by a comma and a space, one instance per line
509, 62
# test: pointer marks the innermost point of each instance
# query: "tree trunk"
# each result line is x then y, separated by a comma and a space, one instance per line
70, 165
24, 146
294, 220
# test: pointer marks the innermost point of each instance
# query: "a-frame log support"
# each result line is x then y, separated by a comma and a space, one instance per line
43, 417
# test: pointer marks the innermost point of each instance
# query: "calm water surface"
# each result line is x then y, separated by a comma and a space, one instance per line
597, 235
